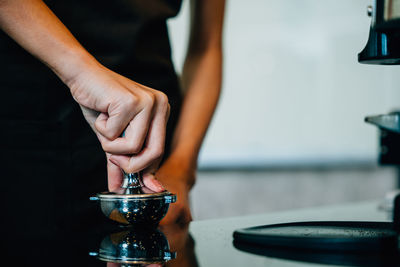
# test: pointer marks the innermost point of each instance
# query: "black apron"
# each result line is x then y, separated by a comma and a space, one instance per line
51, 161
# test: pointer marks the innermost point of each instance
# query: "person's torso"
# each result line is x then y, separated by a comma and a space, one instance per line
127, 36
51, 160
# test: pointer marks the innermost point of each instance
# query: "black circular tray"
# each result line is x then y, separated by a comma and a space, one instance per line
323, 236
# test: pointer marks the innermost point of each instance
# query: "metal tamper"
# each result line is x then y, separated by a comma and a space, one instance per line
135, 204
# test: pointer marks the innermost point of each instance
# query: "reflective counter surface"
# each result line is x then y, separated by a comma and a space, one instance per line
202, 243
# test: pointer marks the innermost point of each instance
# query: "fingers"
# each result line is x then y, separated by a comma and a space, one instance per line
90, 115
115, 178
119, 113
131, 164
153, 114
150, 181
142, 115
154, 145
134, 136
114, 175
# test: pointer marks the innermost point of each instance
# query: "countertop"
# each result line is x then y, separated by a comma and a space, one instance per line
213, 238
205, 243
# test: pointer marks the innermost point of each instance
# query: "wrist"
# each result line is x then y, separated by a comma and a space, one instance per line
187, 158
186, 163
72, 64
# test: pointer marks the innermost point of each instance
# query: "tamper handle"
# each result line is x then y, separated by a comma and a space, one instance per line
132, 183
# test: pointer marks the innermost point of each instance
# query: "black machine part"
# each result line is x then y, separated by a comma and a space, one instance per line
389, 138
384, 36
322, 236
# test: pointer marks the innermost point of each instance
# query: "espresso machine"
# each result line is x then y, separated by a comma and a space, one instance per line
354, 243
383, 43
383, 48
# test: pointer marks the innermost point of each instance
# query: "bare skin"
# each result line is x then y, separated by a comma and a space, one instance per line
201, 80
112, 103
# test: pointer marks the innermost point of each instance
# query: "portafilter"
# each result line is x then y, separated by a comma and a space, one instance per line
135, 204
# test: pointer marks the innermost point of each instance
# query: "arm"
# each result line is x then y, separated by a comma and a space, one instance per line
110, 103
201, 80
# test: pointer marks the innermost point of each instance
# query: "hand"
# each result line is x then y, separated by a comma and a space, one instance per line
113, 104
177, 178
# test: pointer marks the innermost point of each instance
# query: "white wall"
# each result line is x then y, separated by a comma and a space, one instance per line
293, 90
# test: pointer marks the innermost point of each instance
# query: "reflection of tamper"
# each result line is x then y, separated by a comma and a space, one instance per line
134, 203
137, 246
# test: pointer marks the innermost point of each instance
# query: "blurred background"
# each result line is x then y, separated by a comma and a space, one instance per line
289, 129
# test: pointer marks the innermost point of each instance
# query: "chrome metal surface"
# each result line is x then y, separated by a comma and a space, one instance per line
390, 122
135, 246
114, 196
132, 183
133, 203
139, 209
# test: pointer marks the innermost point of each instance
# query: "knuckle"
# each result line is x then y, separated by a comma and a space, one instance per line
131, 102
134, 148
105, 146
130, 168
169, 109
112, 134
108, 133
98, 125
162, 98
149, 99
157, 153
162, 102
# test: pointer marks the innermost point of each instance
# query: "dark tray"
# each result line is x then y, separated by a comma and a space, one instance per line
323, 236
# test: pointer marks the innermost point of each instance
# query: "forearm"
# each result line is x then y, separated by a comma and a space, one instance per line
110, 103
201, 81
35, 27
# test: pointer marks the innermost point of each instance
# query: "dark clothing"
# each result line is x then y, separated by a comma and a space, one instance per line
50, 159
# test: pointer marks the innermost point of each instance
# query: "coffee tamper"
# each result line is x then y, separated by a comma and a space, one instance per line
135, 204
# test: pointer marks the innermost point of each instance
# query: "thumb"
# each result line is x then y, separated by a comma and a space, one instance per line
149, 178
150, 181
148, 175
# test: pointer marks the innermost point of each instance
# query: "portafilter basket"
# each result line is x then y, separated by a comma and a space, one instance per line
135, 204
